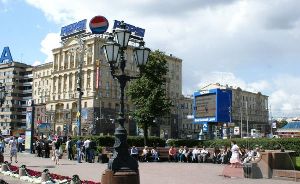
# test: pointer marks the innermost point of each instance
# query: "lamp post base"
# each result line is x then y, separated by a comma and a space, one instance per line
120, 177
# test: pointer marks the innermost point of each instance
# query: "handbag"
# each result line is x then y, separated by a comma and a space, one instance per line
52, 158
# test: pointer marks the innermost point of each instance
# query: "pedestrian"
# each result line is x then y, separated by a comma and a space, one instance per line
235, 156
78, 149
92, 148
20, 144
2, 145
86, 145
69, 148
134, 152
47, 148
57, 152
13, 144
38, 147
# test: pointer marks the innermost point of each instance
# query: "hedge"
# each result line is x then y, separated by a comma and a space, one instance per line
131, 140
265, 143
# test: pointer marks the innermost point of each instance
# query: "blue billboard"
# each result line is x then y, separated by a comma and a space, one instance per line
73, 29
212, 106
6, 56
137, 31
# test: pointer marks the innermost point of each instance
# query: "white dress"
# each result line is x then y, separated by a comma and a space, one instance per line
235, 156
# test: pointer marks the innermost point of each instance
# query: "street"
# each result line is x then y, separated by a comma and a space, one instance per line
161, 172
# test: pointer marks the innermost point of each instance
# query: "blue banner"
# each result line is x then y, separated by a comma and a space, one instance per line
74, 28
137, 31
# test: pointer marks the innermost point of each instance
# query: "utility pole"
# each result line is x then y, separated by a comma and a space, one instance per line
241, 111
247, 118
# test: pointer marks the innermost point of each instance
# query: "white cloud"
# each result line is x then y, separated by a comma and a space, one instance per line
252, 41
51, 41
36, 63
4, 1
283, 91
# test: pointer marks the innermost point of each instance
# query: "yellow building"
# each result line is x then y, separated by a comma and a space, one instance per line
55, 89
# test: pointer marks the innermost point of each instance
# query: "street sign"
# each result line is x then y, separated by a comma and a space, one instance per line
205, 127
29, 103
236, 131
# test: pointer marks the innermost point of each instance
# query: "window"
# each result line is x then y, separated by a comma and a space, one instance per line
85, 104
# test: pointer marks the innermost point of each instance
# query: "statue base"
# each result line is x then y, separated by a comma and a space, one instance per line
120, 177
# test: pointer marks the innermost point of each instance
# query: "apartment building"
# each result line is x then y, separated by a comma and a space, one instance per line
16, 78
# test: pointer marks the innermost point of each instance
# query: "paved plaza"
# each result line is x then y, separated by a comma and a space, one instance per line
164, 172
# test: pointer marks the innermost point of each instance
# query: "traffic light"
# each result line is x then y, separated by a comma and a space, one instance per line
65, 128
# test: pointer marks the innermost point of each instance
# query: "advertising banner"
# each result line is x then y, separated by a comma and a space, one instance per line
28, 120
236, 131
27, 139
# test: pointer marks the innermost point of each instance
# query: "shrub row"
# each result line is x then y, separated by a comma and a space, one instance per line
131, 140
267, 144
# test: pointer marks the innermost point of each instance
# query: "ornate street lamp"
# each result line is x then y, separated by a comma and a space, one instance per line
114, 52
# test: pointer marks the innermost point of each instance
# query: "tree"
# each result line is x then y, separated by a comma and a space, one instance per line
148, 93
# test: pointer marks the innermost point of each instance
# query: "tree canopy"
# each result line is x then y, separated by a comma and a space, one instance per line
148, 93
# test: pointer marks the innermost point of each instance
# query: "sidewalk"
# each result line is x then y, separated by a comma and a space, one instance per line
159, 173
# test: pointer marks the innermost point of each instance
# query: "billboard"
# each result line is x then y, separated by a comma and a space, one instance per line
6, 56
73, 29
205, 105
137, 31
212, 106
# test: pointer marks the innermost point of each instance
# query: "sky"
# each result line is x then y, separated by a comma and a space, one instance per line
252, 44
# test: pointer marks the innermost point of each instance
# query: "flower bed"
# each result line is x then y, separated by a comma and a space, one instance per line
35, 176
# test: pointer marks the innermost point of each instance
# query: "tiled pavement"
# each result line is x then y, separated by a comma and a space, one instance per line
158, 173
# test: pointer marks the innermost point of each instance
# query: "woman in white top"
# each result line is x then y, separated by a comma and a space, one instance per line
13, 148
235, 154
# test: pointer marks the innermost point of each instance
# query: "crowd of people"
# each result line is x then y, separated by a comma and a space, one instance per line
13, 145
75, 150
234, 156
80, 150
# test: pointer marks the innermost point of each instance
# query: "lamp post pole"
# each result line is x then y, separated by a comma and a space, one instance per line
81, 51
122, 162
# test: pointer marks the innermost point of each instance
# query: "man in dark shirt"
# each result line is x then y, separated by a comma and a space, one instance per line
70, 149
47, 148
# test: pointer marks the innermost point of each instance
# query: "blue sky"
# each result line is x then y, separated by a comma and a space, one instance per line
251, 44
22, 29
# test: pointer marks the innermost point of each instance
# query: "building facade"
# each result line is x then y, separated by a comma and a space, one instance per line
187, 130
55, 88
231, 112
17, 81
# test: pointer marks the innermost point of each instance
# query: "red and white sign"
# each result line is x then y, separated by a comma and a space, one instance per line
236, 131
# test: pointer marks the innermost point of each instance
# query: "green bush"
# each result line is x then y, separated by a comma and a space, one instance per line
184, 142
131, 140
